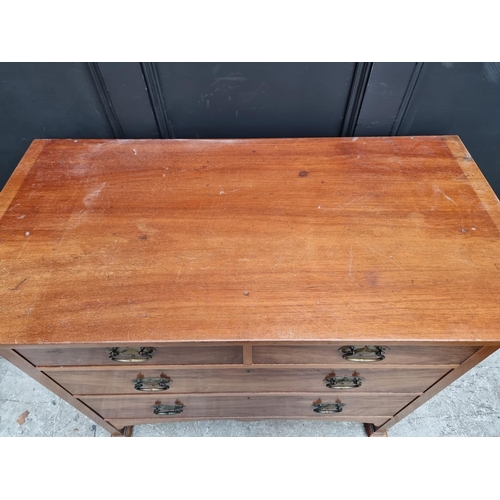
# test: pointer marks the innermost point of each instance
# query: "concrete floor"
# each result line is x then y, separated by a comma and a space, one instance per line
469, 407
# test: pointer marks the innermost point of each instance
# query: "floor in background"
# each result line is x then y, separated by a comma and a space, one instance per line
468, 407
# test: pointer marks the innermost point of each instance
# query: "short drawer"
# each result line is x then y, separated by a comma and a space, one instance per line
165, 355
247, 405
205, 380
326, 354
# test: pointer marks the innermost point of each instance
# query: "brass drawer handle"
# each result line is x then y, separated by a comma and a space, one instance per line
151, 384
343, 382
328, 407
160, 409
129, 355
364, 353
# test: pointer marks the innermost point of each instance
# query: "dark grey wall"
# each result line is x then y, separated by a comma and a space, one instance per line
461, 99
237, 100
228, 100
43, 101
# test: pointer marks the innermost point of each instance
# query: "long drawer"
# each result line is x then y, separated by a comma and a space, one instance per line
247, 405
165, 355
276, 379
325, 354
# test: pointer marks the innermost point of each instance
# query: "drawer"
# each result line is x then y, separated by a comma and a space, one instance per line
204, 380
327, 354
246, 405
165, 355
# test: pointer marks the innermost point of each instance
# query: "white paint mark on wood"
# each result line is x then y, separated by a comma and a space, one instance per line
438, 190
375, 252
92, 195
145, 228
448, 198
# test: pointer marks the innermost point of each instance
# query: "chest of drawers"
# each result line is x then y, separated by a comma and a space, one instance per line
332, 279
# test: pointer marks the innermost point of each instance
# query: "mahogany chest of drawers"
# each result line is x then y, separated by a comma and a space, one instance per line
333, 279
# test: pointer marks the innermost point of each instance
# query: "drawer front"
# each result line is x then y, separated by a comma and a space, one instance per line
165, 355
326, 354
246, 406
119, 423
204, 380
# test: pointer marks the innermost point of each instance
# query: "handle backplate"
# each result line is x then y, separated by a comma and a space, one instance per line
328, 407
364, 353
151, 384
130, 355
160, 409
343, 382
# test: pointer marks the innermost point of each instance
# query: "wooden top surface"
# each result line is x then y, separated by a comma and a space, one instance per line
352, 239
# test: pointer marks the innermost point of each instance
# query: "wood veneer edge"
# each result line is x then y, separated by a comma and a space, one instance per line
17, 178
255, 343
247, 354
312, 394
475, 177
274, 366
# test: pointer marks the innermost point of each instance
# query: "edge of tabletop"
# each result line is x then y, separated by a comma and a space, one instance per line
475, 177
254, 343
16, 180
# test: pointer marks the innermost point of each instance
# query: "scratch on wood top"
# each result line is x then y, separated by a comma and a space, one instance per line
21, 283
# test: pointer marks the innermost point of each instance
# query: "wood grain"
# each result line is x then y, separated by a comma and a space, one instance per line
171, 354
362, 239
247, 405
475, 177
319, 354
248, 380
16, 180
247, 354
278, 367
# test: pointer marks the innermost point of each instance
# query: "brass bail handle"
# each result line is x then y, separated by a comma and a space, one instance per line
130, 355
151, 384
364, 353
343, 382
162, 409
326, 408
